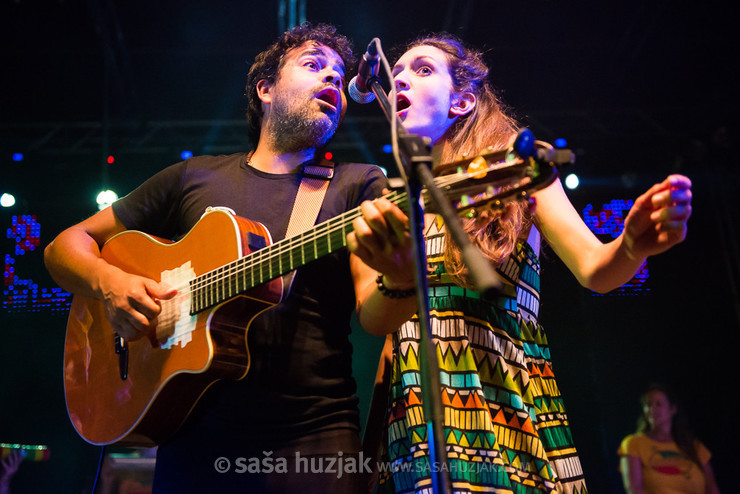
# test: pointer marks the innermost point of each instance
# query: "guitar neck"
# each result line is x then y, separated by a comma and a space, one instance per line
271, 262
504, 177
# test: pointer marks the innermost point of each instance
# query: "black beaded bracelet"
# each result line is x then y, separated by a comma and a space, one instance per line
393, 293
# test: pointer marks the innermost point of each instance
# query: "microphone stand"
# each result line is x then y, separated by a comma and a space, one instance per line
415, 154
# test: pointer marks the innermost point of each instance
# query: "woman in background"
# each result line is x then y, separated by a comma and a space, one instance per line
664, 456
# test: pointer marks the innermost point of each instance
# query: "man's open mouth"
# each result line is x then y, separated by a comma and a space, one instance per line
329, 96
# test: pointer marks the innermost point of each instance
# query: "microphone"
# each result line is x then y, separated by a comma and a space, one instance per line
358, 86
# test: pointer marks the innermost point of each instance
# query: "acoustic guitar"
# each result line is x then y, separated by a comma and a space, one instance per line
139, 392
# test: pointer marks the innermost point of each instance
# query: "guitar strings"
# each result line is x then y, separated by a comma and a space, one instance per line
262, 258
275, 252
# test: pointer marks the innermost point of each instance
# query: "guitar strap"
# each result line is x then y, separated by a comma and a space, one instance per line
315, 178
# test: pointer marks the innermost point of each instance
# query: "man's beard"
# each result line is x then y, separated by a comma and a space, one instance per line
295, 126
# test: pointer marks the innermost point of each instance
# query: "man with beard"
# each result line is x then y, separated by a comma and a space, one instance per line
292, 422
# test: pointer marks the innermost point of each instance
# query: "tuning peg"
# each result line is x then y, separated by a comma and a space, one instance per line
477, 167
524, 143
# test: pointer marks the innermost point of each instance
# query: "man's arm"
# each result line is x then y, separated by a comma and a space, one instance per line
74, 261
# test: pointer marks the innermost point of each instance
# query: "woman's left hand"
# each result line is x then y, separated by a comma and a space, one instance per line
657, 220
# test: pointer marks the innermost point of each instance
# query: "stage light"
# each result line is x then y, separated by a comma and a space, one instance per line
572, 181
387, 148
17, 157
106, 198
328, 155
111, 159
186, 154
560, 142
7, 200
609, 220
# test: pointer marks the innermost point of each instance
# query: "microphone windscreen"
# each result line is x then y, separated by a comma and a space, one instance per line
357, 95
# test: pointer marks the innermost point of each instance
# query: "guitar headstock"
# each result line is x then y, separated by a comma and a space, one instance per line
492, 179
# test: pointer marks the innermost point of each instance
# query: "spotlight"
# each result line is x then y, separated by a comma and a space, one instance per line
571, 181
106, 198
7, 200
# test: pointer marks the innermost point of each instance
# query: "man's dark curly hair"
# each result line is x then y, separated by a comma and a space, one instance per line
267, 64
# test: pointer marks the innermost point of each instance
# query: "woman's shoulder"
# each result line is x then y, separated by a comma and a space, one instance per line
702, 452
635, 436
632, 443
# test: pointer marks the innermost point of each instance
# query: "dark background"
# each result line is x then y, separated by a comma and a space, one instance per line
639, 89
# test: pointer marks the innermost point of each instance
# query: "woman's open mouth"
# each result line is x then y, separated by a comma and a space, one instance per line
402, 103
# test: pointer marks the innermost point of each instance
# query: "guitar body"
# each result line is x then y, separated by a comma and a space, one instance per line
139, 392
144, 400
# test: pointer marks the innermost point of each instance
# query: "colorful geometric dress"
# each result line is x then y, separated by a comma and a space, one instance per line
505, 427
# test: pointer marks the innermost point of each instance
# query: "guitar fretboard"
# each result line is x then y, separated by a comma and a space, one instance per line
275, 260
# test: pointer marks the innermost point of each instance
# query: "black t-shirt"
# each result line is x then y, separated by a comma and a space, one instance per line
300, 379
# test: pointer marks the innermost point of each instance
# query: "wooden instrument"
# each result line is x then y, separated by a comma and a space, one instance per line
139, 392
